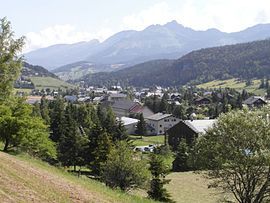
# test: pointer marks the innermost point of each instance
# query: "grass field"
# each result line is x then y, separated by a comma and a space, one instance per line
49, 82
24, 179
235, 84
146, 140
189, 187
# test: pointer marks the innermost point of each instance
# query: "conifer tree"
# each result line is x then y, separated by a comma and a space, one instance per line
159, 171
57, 115
120, 133
141, 126
100, 153
180, 162
72, 142
44, 110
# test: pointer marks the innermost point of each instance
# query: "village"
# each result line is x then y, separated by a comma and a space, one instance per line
169, 113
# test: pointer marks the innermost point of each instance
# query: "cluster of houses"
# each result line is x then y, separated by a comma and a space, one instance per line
156, 123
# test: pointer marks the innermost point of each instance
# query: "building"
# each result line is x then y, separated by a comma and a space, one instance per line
130, 124
188, 130
126, 108
117, 97
160, 123
202, 101
255, 101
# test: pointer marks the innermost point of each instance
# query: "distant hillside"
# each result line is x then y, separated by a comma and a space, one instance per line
29, 70
244, 61
169, 41
76, 70
49, 82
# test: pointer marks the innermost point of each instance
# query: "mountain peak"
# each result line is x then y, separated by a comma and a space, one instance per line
173, 23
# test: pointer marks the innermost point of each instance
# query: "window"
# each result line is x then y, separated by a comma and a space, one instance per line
160, 125
160, 131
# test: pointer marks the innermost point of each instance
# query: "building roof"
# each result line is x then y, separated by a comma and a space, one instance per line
128, 121
118, 95
158, 116
252, 100
125, 104
200, 126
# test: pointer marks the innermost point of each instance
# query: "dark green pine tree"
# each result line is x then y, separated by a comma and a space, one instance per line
120, 133
141, 126
44, 110
101, 147
57, 115
239, 102
101, 114
180, 162
163, 103
72, 143
158, 170
110, 121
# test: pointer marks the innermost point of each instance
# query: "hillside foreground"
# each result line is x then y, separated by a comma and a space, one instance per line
28, 180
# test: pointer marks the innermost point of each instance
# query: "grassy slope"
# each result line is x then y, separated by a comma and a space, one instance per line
28, 180
188, 187
49, 82
234, 83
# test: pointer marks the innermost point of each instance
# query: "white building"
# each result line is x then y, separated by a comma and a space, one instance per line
130, 124
159, 123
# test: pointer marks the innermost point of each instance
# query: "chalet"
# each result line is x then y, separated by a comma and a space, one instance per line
189, 130
202, 101
130, 124
255, 101
160, 123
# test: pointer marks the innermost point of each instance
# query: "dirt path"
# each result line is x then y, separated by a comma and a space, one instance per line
21, 181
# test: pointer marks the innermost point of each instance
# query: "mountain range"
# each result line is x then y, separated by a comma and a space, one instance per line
243, 61
127, 48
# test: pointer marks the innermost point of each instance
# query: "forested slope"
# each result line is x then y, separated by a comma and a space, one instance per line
245, 61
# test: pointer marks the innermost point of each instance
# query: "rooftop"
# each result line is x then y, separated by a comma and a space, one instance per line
200, 126
253, 99
158, 116
125, 104
128, 121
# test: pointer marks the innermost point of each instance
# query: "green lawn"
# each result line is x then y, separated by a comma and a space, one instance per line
235, 84
146, 140
189, 187
49, 82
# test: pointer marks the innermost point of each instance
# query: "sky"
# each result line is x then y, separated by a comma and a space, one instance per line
48, 22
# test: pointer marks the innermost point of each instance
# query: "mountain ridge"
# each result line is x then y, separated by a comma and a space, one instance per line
244, 61
171, 40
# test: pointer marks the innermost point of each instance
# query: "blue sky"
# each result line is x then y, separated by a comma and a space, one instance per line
47, 22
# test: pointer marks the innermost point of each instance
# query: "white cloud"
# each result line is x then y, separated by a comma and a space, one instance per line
229, 15
158, 14
61, 34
